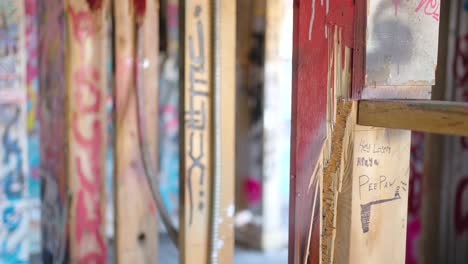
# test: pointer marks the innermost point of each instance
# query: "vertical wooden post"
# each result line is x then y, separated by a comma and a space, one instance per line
196, 130
86, 124
54, 192
452, 180
207, 131
222, 222
14, 221
136, 47
355, 177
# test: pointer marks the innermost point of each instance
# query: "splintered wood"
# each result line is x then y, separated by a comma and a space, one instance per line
361, 172
136, 51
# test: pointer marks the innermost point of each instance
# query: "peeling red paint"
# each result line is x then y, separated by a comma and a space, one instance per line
314, 28
94, 4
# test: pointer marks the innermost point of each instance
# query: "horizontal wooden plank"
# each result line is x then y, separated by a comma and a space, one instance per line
438, 117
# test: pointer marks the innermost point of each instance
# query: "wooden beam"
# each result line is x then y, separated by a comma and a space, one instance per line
196, 123
136, 57
322, 46
207, 131
54, 194
222, 222
420, 115
86, 128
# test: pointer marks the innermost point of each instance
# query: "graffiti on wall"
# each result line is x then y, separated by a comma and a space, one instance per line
14, 216
33, 180
10, 56
86, 143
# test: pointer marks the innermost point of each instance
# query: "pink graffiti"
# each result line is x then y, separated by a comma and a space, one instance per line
461, 218
88, 211
460, 63
464, 143
31, 41
413, 231
431, 8
253, 190
396, 5
82, 24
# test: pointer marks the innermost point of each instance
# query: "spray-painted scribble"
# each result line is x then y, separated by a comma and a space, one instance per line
14, 225
12, 176
14, 216
86, 146
10, 61
88, 213
430, 8
32, 179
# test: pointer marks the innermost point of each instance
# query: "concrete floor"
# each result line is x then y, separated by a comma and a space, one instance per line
168, 255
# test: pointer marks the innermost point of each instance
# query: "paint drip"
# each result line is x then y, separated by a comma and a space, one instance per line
94, 4
140, 8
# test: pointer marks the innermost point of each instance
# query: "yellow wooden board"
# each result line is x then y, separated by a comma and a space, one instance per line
373, 197
136, 55
196, 165
86, 124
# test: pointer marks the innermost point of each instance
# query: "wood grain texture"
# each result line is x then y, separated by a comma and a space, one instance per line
411, 58
222, 250
379, 197
86, 123
322, 36
427, 116
54, 194
368, 172
136, 47
196, 130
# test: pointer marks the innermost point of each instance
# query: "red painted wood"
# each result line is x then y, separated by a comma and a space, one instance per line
310, 69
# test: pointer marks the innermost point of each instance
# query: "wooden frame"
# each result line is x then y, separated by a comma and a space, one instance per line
344, 50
